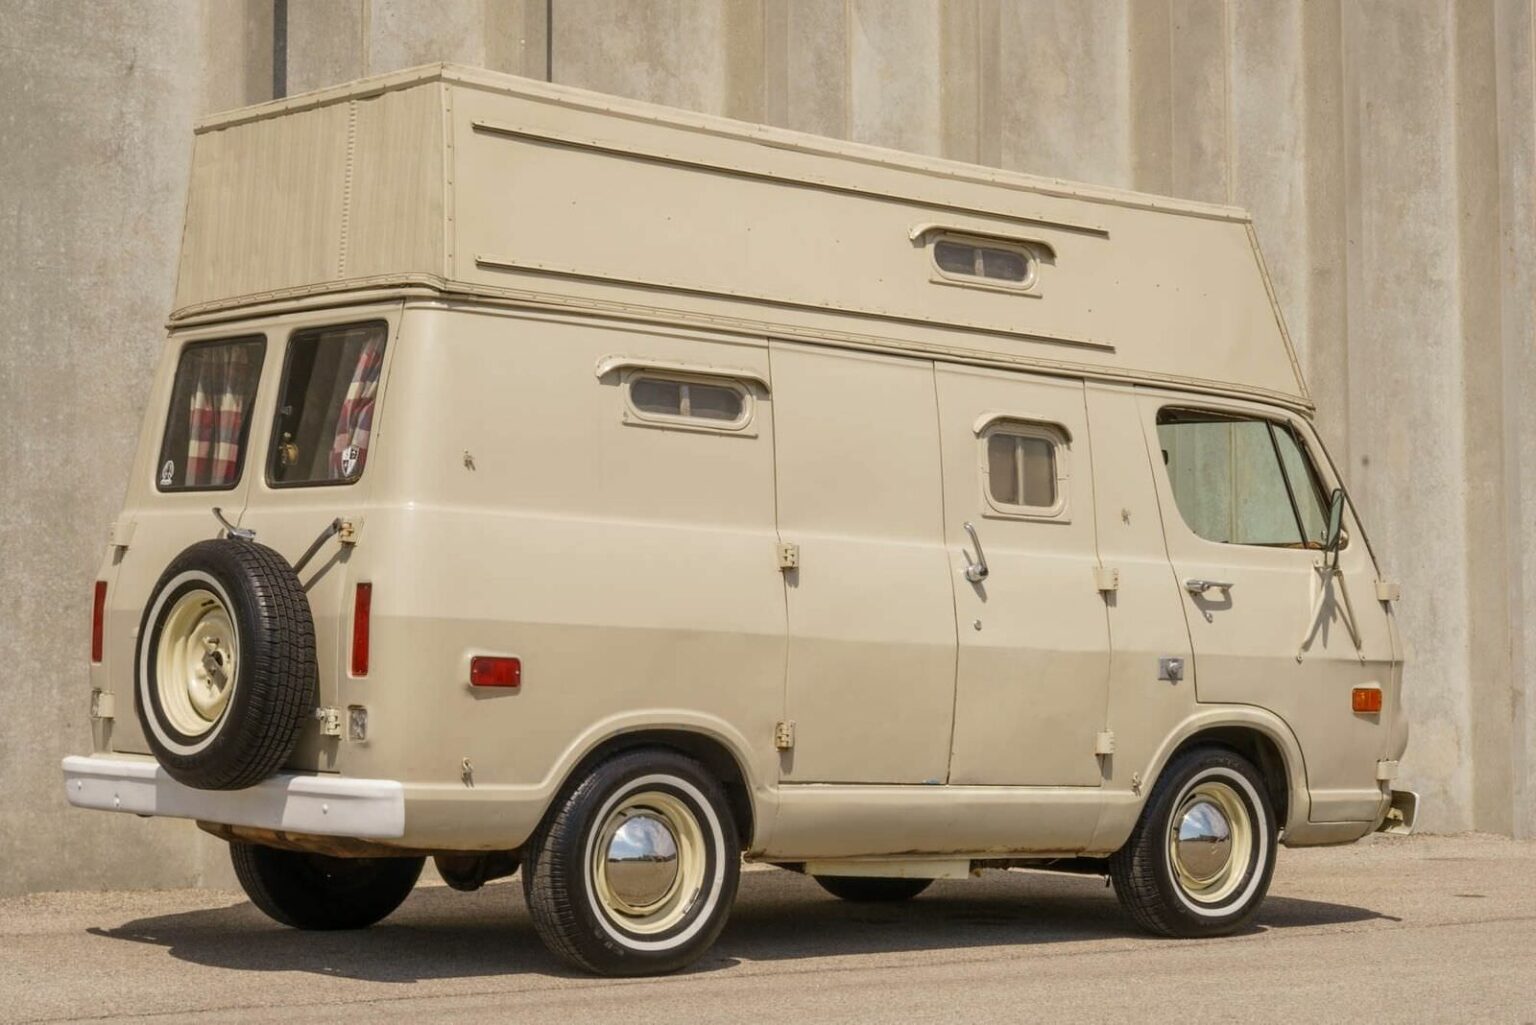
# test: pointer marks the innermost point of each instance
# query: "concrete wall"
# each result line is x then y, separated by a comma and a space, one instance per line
1387, 149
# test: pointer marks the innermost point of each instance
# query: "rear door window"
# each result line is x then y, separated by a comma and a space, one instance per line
209, 421
325, 409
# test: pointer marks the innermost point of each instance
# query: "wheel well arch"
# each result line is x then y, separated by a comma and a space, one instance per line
1259, 748
711, 752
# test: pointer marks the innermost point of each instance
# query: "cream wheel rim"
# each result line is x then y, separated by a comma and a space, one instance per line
648, 864
1210, 842
196, 662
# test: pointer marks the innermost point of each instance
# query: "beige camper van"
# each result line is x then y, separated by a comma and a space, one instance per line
537, 479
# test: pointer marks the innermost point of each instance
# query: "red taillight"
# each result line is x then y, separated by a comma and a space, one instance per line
1366, 700
362, 608
98, 620
485, 671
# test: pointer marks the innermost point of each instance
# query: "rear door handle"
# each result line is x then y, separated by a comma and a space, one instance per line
1198, 586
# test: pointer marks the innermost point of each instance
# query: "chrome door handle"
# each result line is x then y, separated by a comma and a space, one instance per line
976, 571
1197, 586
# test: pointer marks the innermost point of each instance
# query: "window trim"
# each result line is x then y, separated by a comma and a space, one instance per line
637, 417
1273, 423
1013, 425
277, 402
245, 431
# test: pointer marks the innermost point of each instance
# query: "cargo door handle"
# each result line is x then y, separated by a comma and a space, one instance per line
1197, 586
976, 571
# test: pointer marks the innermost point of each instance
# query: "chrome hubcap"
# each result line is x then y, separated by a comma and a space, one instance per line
1210, 842
642, 861
196, 662
1204, 840
648, 862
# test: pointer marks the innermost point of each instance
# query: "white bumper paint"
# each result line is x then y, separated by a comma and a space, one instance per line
296, 803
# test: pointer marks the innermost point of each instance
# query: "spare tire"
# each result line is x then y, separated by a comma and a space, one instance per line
225, 673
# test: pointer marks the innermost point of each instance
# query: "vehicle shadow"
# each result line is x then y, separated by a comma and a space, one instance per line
441, 934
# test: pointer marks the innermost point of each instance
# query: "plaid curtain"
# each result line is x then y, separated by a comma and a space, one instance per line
355, 421
217, 415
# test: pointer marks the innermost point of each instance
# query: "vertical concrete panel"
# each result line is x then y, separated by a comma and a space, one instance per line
1406, 370
237, 44
967, 55
327, 43
405, 33
1514, 38
893, 60
1149, 60
1200, 149
667, 51
517, 37
1064, 90
1268, 156
1325, 333
812, 65
94, 153
1477, 222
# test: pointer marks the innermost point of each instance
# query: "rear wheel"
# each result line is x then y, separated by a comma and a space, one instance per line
315, 891
1201, 857
872, 889
635, 869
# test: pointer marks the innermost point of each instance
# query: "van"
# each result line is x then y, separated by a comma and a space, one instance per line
541, 480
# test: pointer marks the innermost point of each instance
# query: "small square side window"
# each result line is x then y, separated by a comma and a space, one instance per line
1021, 470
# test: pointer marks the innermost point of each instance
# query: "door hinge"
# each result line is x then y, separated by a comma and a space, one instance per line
789, 556
1106, 578
102, 705
330, 721
784, 735
121, 533
1104, 743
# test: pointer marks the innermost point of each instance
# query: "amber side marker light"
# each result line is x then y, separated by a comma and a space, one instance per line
362, 611
485, 671
98, 620
1366, 699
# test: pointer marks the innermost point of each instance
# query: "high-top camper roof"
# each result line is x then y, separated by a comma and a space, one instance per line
473, 183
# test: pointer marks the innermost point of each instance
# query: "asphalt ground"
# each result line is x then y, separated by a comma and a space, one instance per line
1403, 930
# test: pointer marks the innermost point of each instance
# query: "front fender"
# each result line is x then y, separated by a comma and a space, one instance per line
1119, 817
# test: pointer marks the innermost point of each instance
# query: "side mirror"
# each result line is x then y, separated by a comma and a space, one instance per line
1335, 532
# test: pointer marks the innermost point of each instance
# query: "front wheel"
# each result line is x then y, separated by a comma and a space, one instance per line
316, 891
1201, 857
635, 869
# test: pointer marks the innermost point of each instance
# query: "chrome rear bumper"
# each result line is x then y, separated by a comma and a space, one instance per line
318, 803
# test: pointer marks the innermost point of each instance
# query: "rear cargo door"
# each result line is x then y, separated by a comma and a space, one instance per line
326, 390
201, 435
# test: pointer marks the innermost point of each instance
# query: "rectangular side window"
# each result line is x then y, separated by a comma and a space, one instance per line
325, 410
209, 421
680, 400
1240, 480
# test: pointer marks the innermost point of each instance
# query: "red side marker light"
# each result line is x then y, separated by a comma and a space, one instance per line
362, 609
1365, 699
98, 620
486, 671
